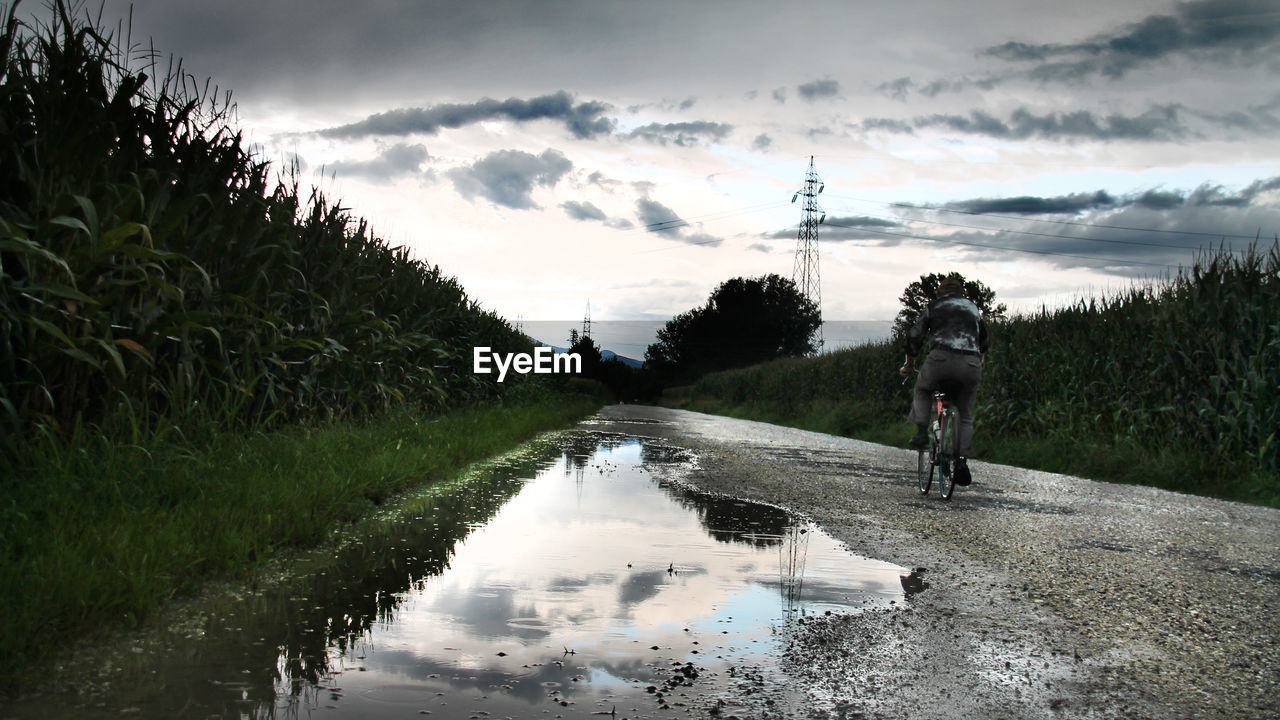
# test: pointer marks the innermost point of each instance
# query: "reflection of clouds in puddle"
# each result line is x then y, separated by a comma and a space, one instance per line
594, 577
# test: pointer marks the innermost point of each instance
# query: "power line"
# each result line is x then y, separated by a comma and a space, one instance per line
664, 225
998, 247
680, 223
1045, 235
677, 223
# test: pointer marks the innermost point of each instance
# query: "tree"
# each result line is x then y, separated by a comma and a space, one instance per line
745, 321
920, 293
587, 349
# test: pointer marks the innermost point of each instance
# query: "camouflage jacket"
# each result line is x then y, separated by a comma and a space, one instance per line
953, 322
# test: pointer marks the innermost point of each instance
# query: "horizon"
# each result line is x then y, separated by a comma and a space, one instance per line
632, 334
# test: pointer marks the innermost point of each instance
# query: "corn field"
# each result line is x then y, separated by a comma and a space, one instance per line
1190, 364
156, 272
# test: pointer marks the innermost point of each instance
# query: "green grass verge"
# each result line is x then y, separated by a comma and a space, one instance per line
99, 535
1123, 462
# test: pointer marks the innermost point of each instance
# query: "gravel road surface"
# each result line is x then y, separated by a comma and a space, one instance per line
1035, 596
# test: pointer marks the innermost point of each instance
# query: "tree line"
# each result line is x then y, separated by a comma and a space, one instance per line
746, 321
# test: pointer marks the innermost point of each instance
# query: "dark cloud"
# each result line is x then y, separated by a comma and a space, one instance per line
396, 161
889, 124
664, 105
1131, 241
1122, 234
603, 181
1159, 200
584, 120
937, 87
896, 89
902, 87
1257, 187
583, 211
859, 221
780, 95
1255, 119
508, 177
1217, 196
1207, 195
1159, 123
1029, 205
586, 211
683, 134
849, 227
702, 239
762, 142
1100, 201
818, 89
658, 218
1214, 30
1133, 234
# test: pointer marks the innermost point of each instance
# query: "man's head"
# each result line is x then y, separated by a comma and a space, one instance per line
950, 286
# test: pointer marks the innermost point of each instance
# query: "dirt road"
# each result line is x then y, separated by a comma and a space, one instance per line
1038, 595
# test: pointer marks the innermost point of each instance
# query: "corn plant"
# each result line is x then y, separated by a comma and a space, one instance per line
156, 273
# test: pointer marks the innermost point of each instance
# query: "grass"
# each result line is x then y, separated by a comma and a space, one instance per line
1174, 384
1126, 462
100, 534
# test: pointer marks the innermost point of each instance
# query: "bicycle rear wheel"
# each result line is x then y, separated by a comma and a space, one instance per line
949, 442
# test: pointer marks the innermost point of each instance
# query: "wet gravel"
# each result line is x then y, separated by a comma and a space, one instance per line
1035, 595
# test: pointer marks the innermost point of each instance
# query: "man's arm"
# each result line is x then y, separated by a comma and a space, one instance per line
916, 334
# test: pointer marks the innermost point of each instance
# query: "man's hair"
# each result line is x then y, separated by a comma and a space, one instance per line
950, 286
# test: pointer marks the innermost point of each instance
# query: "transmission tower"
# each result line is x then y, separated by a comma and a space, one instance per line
586, 321
805, 273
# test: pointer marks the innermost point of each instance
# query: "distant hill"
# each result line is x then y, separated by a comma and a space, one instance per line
609, 355
604, 354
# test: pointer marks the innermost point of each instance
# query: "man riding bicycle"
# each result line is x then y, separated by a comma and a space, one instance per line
958, 340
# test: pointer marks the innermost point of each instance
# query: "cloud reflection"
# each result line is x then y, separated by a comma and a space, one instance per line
594, 576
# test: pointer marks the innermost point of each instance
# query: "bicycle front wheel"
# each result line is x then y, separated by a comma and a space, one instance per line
949, 442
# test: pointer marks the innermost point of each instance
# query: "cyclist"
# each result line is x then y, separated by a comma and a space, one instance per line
958, 338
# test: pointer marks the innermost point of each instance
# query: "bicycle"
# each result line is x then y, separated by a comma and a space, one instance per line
944, 448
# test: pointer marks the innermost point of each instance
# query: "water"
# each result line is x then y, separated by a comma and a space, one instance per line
567, 586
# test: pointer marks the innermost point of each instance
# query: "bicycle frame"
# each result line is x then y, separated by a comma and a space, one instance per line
943, 449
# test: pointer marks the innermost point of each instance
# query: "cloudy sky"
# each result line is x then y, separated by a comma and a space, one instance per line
636, 154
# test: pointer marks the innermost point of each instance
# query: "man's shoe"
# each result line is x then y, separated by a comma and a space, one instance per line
920, 441
962, 472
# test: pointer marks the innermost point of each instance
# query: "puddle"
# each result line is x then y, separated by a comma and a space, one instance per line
572, 586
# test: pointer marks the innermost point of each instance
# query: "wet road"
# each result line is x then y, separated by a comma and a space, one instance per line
1038, 595
619, 568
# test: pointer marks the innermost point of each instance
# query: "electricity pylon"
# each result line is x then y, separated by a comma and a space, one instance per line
792, 553
805, 272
